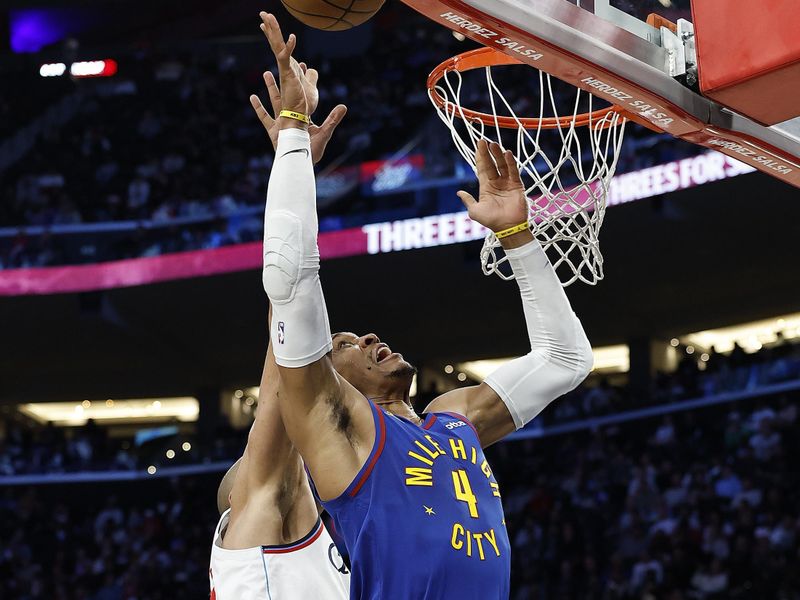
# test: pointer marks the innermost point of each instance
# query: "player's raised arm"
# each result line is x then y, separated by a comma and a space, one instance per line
560, 356
267, 478
327, 420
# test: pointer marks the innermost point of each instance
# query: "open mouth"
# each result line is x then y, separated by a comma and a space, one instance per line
382, 353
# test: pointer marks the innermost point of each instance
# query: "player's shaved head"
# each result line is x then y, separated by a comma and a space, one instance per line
225, 487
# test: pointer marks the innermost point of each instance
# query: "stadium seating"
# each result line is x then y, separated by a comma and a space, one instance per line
170, 147
700, 504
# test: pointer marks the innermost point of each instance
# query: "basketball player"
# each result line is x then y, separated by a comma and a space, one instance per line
270, 542
412, 495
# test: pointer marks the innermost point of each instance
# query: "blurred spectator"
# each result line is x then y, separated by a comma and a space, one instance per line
134, 153
710, 580
679, 529
728, 485
765, 443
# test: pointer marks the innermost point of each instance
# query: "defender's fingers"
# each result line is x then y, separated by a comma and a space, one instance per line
291, 43
261, 112
466, 198
296, 68
499, 160
312, 76
483, 162
272, 31
280, 48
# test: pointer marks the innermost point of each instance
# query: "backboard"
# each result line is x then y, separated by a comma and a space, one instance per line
608, 48
632, 14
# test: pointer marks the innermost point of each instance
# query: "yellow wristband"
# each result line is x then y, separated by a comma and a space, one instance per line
511, 230
290, 114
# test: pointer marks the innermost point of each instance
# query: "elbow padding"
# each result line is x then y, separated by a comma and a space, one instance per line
282, 243
300, 330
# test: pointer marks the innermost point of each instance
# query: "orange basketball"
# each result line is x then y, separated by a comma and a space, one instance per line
333, 15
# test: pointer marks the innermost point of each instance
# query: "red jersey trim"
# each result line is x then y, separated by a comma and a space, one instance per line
431, 420
380, 441
304, 542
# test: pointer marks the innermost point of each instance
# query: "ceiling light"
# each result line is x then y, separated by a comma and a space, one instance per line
607, 359
750, 336
52, 70
113, 411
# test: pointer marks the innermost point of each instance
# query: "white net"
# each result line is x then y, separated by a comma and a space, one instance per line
566, 167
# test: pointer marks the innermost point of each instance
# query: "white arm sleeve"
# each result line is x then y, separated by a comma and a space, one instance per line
300, 331
560, 356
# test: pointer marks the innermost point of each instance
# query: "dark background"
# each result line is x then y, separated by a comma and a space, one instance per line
715, 255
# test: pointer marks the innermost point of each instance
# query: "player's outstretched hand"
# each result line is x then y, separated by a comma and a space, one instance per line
501, 200
320, 134
299, 85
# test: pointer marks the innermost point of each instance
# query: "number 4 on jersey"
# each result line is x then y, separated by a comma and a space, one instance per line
464, 491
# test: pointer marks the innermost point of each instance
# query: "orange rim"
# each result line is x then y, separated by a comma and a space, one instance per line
489, 57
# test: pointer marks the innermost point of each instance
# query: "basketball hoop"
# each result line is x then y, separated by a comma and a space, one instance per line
566, 162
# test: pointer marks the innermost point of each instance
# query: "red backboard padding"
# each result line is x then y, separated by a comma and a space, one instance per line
749, 56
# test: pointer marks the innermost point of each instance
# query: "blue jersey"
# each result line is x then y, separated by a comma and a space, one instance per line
423, 518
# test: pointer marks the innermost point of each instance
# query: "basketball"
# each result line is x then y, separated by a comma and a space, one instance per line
333, 15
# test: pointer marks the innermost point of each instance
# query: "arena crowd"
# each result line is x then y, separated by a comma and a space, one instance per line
51, 449
170, 147
698, 504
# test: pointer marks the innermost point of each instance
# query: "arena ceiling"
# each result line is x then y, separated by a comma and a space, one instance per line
125, 25
711, 256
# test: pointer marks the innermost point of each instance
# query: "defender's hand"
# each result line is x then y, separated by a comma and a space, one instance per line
320, 135
501, 202
299, 85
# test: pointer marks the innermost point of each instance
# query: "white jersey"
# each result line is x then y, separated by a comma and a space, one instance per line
308, 568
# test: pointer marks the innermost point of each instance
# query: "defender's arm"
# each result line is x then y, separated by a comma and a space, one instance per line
269, 458
270, 483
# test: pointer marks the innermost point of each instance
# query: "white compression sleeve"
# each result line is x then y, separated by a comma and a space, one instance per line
560, 356
300, 330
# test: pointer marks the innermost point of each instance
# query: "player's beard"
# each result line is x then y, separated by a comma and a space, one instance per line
405, 371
